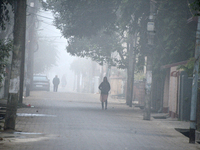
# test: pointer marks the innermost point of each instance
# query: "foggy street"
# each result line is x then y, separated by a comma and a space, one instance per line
61, 59
74, 121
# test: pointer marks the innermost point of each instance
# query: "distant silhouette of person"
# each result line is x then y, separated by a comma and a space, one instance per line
105, 88
56, 82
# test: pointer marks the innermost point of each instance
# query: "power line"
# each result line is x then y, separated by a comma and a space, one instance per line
57, 42
50, 36
53, 31
46, 22
41, 16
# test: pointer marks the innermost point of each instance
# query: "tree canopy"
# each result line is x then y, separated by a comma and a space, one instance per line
83, 18
175, 37
99, 48
95, 28
5, 48
86, 22
4, 12
195, 5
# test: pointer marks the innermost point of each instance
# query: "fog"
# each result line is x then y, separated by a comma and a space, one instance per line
68, 67
47, 31
81, 74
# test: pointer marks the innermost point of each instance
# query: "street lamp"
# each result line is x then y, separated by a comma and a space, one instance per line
151, 34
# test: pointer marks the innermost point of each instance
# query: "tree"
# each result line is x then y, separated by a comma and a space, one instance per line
175, 39
18, 52
131, 21
5, 48
99, 48
83, 18
5, 44
195, 5
4, 12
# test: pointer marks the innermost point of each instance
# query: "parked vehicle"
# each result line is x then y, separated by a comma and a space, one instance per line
41, 82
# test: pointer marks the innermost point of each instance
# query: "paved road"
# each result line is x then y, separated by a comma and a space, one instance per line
71, 121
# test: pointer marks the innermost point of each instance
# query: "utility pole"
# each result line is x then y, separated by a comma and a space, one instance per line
151, 34
19, 34
195, 87
21, 87
130, 71
128, 77
30, 44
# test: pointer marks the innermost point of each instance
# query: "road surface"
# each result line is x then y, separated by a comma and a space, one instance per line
72, 121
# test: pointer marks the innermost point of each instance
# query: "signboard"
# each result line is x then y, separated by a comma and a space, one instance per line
150, 26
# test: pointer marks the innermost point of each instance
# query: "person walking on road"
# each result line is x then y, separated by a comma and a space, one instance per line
104, 87
56, 82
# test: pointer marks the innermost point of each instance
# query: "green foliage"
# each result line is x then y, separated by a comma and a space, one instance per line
98, 48
4, 12
45, 57
5, 48
131, 13
139, 76
196, 6
189, 67
83, 18
175, 38
95, 27
84, 21
133, 19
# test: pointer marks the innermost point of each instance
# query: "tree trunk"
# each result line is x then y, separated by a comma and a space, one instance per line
198, 110
78, 82
147, 110
18, 49
128, 91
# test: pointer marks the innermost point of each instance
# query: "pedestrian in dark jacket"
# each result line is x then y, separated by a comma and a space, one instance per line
105, 88
56, 82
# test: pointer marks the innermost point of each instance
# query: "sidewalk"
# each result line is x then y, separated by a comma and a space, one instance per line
45, 130
163, 120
